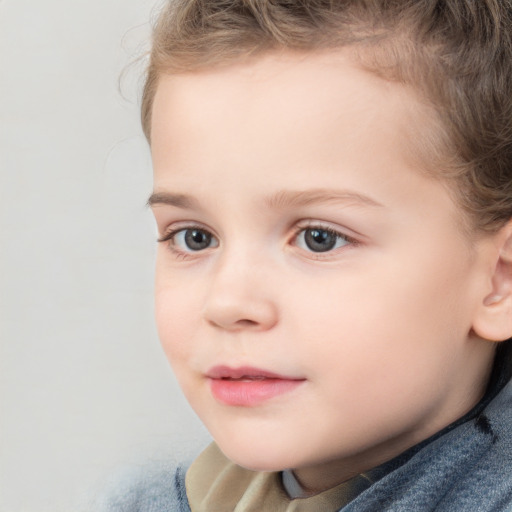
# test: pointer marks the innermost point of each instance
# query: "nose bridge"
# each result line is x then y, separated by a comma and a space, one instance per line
240, 295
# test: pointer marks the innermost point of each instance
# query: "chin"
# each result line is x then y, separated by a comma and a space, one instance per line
253, 457
257, 463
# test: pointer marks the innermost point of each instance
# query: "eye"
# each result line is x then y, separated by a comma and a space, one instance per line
318, 239
190, 240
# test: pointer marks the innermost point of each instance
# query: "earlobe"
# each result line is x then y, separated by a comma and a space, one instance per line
493, 321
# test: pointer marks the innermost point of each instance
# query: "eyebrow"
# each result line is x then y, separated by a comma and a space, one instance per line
289, 198
280, 200
178, 200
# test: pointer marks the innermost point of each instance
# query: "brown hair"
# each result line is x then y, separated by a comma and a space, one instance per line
456, 53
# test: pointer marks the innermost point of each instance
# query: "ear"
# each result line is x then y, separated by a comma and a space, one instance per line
493, 319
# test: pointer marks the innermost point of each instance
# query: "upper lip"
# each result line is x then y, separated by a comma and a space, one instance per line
226, 372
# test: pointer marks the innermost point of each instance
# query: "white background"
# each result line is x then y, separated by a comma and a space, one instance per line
84, 385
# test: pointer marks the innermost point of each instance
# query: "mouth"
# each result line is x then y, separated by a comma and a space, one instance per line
248, 386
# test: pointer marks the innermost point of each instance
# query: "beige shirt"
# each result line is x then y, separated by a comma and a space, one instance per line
215, 484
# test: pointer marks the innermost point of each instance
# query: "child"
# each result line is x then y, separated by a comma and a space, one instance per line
333, 194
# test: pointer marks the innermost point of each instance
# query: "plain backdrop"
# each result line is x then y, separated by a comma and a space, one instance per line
85, 388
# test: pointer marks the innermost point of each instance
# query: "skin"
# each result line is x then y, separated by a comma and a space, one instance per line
380, 328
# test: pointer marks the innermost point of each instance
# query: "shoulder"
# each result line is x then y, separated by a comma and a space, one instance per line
151, 488
466, 469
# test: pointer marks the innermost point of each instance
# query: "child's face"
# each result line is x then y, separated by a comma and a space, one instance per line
310, 256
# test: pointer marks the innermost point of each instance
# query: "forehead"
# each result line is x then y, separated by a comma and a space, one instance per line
277, 93
286, 121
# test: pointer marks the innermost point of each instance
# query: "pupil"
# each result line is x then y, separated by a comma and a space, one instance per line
319, 240
197, 240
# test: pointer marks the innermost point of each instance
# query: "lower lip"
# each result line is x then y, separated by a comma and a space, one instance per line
251, 392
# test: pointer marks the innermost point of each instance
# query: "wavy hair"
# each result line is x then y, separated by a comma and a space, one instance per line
457, 55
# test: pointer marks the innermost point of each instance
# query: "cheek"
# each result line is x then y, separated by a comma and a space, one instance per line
394, 318
176, 312
176, 318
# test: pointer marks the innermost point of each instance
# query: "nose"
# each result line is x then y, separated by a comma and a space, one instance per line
240, 297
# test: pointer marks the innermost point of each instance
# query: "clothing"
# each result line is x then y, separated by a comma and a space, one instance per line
348, 489
214, 483
466, 467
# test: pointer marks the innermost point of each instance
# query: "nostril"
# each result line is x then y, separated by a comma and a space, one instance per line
234, 314
246, 323
238, 324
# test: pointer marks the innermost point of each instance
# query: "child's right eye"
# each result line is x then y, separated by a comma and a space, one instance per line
190, 239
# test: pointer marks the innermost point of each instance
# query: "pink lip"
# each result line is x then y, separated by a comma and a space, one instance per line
247, 386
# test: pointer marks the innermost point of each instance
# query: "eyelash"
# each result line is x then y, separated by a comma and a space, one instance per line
311, 226
170, 237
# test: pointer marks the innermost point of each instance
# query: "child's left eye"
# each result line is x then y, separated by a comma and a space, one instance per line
318, 239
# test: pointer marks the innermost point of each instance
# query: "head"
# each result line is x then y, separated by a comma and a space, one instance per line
333, 190
456, 55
